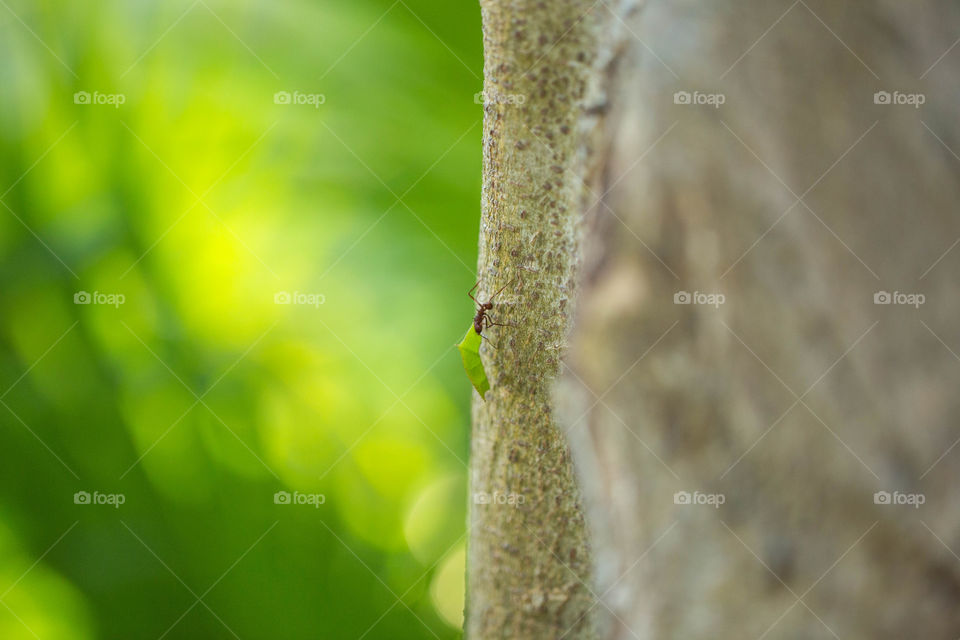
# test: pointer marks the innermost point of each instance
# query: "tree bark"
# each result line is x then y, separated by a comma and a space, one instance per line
799, 199
528, 559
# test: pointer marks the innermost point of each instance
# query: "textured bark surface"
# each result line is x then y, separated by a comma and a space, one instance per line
529, 563
798, 398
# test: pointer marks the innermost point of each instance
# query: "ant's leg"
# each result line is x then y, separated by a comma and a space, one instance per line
491, 323
470, 293
492, 343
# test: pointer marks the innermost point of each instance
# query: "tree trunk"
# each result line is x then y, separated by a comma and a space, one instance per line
730, 449
528, 561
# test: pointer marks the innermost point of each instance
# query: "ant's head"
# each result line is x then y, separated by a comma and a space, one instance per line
487, 305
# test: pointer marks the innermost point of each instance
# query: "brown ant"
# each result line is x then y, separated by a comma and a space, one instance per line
482, 320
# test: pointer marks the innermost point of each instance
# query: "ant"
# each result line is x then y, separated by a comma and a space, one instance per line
482, 320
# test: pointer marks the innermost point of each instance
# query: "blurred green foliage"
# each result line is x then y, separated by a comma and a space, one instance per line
201, 199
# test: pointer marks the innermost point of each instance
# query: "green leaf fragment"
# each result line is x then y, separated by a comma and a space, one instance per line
470, 352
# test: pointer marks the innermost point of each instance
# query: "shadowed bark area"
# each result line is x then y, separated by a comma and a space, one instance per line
528, 558
785, 408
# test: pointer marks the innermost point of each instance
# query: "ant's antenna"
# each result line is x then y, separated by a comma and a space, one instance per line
502, 288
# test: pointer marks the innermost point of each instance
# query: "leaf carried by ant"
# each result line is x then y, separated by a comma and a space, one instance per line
470, 353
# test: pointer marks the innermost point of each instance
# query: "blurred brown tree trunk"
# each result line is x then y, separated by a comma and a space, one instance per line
740, 458
800, 160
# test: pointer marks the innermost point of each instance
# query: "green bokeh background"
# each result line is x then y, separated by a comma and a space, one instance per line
199, 199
